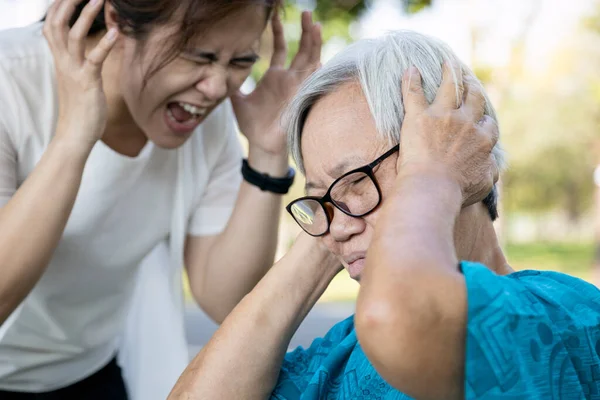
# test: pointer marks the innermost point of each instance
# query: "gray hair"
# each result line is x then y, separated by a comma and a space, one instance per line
378, 65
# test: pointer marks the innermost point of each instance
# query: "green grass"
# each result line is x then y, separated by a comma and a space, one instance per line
571, 258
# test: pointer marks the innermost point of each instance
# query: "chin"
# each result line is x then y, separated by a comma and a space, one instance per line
168, 141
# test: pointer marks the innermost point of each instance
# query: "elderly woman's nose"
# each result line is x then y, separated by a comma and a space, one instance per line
343, 226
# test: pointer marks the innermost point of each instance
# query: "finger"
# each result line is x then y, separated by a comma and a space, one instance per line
279, 46
315, 55
413, 96
450, 93
300, 61
474, 100
97, 56
81, 28
489, 128
50, 16
60, 22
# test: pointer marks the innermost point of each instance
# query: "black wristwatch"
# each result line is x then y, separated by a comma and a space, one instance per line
266, 182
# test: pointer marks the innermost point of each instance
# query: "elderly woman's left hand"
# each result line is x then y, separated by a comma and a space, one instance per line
258, 113
456, 137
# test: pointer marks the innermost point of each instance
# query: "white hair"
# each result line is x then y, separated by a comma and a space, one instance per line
378, 65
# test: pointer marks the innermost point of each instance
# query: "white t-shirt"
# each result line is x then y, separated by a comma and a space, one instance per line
68, 326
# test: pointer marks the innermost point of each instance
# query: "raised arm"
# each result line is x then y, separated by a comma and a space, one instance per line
33, 220
412, 308
220, 277
243, 358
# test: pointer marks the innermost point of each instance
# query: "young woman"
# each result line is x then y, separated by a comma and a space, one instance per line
117, 136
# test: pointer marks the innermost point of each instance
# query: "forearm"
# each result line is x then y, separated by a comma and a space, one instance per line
245, 250
32, 222
243, 358
412, 300
417, 224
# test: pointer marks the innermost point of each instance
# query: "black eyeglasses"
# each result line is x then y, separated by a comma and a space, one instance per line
356, 193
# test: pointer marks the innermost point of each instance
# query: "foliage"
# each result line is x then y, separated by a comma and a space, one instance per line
335, 17
550, 125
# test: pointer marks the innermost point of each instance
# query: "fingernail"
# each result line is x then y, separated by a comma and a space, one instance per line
94, 2
413, 71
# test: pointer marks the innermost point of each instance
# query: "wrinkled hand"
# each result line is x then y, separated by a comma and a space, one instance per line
452, 135
313, 251
258, 113
82, 102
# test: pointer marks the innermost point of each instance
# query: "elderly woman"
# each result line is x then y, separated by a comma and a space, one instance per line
416, 209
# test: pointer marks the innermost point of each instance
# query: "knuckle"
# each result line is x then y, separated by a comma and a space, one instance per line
74, 35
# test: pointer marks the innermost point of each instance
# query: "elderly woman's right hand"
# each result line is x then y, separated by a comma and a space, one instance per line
452, 136
313, 251
82, 102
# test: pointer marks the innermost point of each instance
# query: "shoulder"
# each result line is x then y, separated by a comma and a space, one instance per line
320, 347
24, 51
552, 290
528, 330
27, 79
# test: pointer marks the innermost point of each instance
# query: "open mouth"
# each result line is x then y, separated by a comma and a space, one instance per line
184, 117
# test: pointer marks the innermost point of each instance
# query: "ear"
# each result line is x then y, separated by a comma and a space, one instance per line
110, 16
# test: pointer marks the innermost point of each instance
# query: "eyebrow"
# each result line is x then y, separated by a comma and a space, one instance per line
211, 56
338, 170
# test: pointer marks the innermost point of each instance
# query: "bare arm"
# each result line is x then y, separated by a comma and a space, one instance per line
243, 359
34, 219
412, 309
32, 222
224, 268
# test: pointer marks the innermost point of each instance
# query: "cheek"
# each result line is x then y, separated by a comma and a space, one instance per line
331, 244
371, 221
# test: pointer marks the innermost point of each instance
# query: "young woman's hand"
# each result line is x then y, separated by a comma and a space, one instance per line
258, 113
82, 102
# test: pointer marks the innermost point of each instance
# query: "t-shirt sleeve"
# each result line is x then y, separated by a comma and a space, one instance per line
531, 335
217, 203
300, 365
8, 167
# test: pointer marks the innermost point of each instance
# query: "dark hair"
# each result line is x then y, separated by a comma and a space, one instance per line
491, 202
137, 17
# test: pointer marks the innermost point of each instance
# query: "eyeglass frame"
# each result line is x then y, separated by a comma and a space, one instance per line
326, 198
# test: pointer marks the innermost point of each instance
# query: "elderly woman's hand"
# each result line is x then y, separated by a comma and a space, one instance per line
451, 136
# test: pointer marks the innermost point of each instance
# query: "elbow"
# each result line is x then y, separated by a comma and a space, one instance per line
388, 332
376, 329
210, 305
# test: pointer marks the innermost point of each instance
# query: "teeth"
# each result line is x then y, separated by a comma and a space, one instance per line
198, 112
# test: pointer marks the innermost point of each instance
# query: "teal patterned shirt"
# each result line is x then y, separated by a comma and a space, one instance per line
530, 335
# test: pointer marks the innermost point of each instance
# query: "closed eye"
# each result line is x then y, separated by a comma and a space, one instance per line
244, 62
360, 179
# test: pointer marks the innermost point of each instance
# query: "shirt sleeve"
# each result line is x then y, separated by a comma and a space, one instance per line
8, 163
218, 200
531, 335
300, 366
